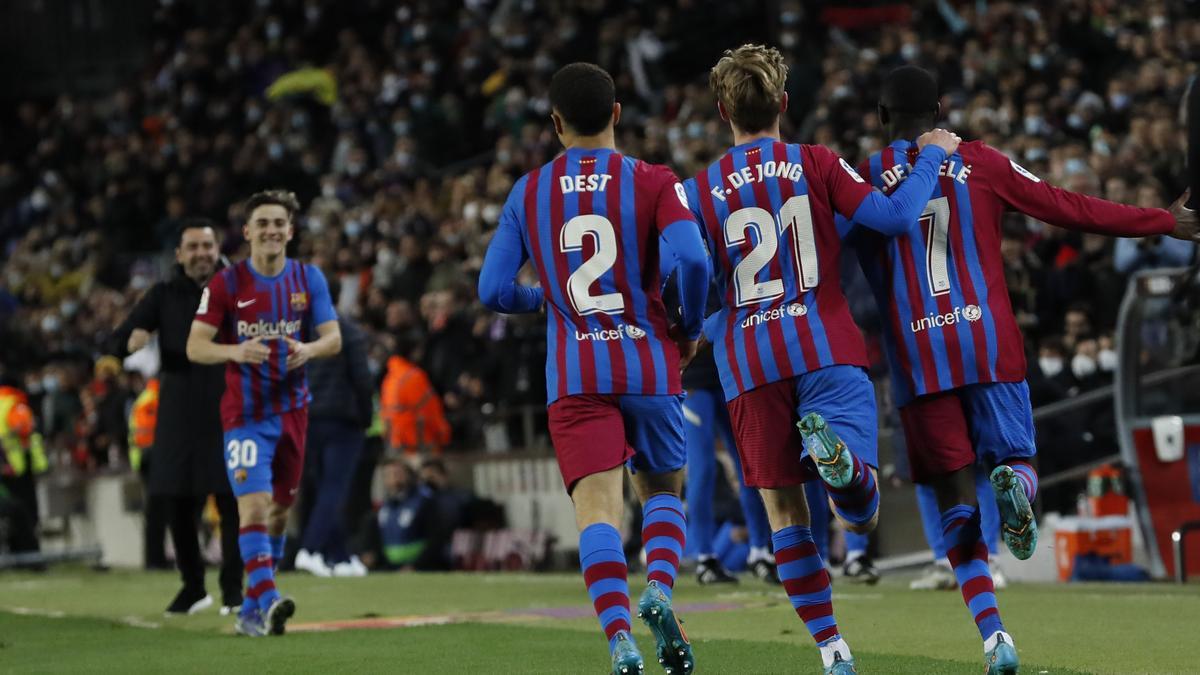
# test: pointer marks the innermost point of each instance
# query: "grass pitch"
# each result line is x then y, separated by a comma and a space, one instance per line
78, 621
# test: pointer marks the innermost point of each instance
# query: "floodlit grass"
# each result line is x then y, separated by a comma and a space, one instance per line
81, 621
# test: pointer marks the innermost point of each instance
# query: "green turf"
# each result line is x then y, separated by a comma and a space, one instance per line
80, 621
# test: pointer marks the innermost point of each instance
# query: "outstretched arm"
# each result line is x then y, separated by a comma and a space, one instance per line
1024, 192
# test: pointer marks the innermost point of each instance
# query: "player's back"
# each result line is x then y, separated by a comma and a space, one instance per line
947, 317
591, 221
244, 304
768, 213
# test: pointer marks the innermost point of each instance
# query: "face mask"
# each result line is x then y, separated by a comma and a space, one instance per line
909, 51
400, 128
1037, 61
1075, 165
329, 191
68, 308
1050, 365
1083, 366
1035, 154
1108, 360
353, 228
274, 31
275, 150
50, 383
1033, 125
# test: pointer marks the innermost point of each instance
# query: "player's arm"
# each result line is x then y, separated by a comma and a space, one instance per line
498, 287
681, 232
891, 214
1022, 191
329, 334
134, 332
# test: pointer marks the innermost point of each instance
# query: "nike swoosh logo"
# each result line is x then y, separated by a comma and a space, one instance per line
246, 303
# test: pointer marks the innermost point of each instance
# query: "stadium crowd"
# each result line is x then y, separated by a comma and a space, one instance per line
401, 130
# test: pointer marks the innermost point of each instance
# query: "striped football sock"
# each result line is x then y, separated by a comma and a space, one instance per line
858, 502
1027, 475
969, 557
663, 528
602, 559
256, 555
806, 582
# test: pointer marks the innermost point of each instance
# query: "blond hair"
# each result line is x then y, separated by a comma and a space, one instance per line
748, 81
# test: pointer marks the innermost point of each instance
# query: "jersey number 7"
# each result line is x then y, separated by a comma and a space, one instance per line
935, 222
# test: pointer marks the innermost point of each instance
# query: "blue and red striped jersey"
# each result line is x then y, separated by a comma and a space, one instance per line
940, 288
243, 304
768, 214
590, 221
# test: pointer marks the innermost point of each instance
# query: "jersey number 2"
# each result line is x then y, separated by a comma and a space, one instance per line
581, 280
794, 217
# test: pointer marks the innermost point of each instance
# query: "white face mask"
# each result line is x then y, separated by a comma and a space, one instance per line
1050, 365
1108, 360
1083, 366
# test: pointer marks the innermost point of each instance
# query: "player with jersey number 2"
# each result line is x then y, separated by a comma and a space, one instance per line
590, 222
266, 317
791, 359
956, 354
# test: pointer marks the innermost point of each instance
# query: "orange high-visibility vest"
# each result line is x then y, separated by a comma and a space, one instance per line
144, 416
412, 409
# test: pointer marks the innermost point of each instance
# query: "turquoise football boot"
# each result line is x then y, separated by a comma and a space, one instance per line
834, 462
1016, 514
671, 643
626, 659
841, 666
1001, 659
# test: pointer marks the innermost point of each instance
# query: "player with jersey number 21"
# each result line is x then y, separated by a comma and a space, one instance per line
791, 359
266, 317
590, 222
955, 350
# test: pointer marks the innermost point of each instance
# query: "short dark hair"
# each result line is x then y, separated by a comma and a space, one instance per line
193, 223
284, 198
583, 95
910, 93
435, 464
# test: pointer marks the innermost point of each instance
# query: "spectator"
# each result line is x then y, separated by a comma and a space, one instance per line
23, 458
449, 507
394, 537
340, 412
413, 418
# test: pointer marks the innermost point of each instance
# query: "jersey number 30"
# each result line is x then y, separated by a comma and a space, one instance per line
580, 282
794, 217
241, 453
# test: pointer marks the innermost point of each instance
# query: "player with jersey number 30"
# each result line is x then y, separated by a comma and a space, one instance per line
260, 317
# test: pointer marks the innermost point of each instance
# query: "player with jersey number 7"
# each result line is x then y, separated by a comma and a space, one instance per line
956, 353
590, 222
791, 360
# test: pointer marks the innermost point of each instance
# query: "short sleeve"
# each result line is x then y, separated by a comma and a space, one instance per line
214, 302
845, 187
322, 304
671, 202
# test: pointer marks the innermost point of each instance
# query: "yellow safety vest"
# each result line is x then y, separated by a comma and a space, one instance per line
14, 451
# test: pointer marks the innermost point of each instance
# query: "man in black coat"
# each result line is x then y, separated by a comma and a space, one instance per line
186, 463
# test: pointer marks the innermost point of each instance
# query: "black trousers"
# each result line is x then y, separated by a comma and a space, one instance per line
183, 514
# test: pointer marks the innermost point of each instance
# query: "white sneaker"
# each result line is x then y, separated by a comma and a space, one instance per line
358, 566
348, 569
937, 577
313, 563
999, 581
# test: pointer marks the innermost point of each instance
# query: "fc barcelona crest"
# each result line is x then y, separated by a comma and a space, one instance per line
299, 301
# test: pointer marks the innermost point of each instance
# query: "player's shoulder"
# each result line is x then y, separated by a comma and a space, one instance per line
980, 151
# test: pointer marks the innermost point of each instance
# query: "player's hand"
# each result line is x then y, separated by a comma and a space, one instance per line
299, 353
1187, 227
139, 338
252, 351
687, 347
946, 140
